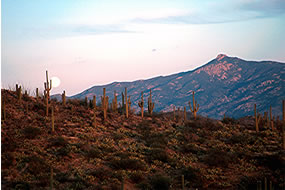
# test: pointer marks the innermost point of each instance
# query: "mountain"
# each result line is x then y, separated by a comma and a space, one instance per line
225, 85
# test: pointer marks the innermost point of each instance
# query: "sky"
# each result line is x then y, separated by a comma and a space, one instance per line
95, 42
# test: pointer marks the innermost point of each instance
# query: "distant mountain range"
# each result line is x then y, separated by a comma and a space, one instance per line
225, 85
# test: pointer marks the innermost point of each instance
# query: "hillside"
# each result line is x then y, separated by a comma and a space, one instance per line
149, 153
225, 85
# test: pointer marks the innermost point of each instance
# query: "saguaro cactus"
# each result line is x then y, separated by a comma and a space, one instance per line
129, 103
94, 103
123, 100
86, 101
195, 106
37, 93
257, 118
19, 92
126, 105
105, 103
150, 104
141, 103
63, 97
48, 86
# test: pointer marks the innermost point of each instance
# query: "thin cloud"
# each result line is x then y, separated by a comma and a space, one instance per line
72, 30
222, 12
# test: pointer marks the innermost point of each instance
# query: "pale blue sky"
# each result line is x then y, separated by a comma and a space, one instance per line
89, 42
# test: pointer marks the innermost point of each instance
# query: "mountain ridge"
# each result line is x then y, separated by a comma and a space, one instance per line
222, 86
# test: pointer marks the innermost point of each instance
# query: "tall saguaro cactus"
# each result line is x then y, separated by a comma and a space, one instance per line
63, 97
257, 118
141, 103
48, 86
19, 92
195, 106
150, 104
94, 102
37, 93
126, 105
105, 103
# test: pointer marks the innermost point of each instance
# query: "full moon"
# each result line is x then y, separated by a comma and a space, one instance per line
55, 81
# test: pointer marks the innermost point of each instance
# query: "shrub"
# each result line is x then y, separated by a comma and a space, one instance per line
36, 165
156, 140
217, 157
31, 132
241, 139
62, 145
137, 176
93, 152
228, 120
58, 141
127, 163
158, 154
101, 173
192, 175
160, 182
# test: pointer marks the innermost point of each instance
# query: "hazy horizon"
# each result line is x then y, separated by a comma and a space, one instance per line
87, 43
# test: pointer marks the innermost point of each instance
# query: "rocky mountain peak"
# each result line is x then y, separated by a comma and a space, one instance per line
221, 56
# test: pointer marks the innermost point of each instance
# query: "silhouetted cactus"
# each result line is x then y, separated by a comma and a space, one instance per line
126, 105
94, 103
19, 92
195, 106
150, 104
48, 87
63, 97
141, 104
37, 93
86, 101
105, 103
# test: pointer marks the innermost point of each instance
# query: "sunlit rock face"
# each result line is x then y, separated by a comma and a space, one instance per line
225, 85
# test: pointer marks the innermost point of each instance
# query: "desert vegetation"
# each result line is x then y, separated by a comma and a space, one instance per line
76, 144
